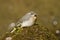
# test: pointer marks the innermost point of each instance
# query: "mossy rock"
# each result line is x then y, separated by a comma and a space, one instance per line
33, 33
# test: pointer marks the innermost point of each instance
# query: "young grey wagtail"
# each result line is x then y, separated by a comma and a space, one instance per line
26, 21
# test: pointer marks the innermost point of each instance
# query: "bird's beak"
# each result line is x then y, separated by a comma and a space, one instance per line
35, 17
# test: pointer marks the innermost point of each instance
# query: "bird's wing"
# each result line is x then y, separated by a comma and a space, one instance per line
24, 18
27, 16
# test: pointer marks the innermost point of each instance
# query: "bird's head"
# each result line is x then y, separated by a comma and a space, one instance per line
33, 15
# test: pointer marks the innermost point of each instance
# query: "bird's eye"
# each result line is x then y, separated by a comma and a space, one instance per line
35, 15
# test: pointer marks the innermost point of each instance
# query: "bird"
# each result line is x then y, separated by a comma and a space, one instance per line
26, 21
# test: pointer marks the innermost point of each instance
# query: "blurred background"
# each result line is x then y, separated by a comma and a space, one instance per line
48, 12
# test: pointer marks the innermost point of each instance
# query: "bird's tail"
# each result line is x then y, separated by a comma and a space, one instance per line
16, 29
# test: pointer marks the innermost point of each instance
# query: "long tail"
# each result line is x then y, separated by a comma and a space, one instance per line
14, 29
17, 29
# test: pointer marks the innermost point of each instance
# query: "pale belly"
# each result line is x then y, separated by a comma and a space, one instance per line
27, 23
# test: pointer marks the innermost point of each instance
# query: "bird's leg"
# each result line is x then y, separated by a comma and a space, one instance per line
35, 23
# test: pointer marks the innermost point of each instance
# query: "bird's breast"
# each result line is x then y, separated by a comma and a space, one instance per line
27, 23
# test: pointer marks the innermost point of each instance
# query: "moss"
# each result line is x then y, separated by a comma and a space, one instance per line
33, 33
